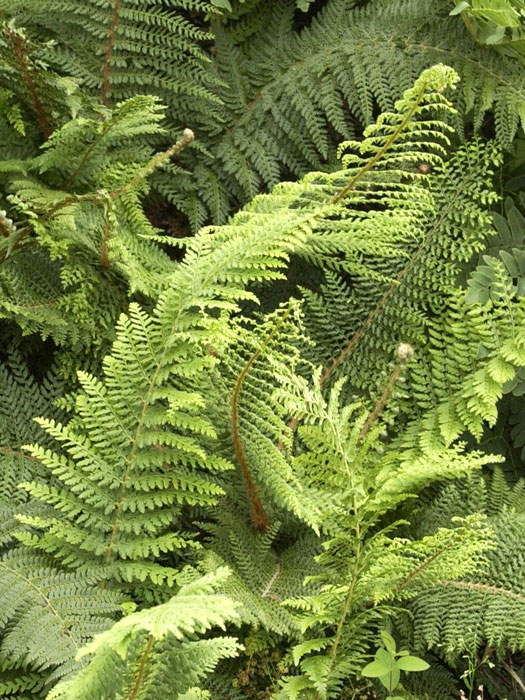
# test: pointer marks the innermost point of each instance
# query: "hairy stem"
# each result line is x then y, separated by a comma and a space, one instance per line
104, 258
260, 518
20, 47
106, 70
513, 675
404, 355
187, 137
375, 160
142, 669
348, 598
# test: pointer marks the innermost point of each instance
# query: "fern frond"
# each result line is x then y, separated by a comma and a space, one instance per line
367, 569
157, 651
21, 396
101, 44
290, 97
488, 606
48, 615
80, 241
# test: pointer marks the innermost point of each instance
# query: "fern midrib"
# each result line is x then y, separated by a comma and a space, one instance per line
145, 408
48, 603
142, 669
335, 49
395, 285
391, 140
106, 68
260, 518
485, 588
357, 557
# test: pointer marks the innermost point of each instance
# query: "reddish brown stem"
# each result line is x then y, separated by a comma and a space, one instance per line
104, 259
260, 518
142, 669
381, 401
404, 355
21, 56
106, 70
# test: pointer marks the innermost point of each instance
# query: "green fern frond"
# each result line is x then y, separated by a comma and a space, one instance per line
290, 97
156, 652
21, 396
102, 44
80, 241
47, 615
367, 569
488, 606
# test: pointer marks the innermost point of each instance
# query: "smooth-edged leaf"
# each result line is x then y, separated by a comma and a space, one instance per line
495, 36
388, 641
459, 8
412, 663
375, 669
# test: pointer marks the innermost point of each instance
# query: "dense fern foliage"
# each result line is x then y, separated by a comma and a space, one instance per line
263, 350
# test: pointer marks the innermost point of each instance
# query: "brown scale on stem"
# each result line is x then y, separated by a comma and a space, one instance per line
152, 165
260, 519
20, 49
106, 69
405, 352
104, 258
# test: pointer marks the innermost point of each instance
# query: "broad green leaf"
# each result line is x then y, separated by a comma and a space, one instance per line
388, 641
495, 36
375, 670
390, 680
412, 663
459, 8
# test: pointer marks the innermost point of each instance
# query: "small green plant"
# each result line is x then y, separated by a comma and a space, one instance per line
497, 23
388, 664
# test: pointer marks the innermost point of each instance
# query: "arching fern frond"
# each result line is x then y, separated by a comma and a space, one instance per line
80, 242
290, 97
101, 43
142, 444
21, 397
366, 568
47, 615
156, 653
463, 615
